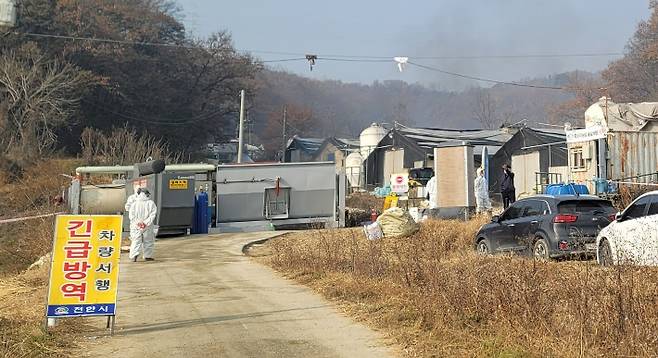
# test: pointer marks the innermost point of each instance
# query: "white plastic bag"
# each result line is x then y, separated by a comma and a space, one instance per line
373, 231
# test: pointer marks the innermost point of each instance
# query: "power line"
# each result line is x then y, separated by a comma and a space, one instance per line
470, 57
96, 39
139, 118
349, 58
285, 60
484, 79
390, 60
329, 57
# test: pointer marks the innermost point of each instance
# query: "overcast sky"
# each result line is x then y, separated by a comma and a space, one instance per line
426, 28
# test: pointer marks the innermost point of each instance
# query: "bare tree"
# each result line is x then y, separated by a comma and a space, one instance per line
586, 90
123, 146
485, 109
38, 96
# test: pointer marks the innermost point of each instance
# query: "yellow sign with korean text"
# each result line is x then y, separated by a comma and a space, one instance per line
178, 184
84, 275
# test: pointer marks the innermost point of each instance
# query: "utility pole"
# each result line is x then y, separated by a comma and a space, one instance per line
240, 130
283, 147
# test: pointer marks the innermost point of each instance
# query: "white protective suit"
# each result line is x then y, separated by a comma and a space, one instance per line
142, 210
431, 190
482, 201
130, 201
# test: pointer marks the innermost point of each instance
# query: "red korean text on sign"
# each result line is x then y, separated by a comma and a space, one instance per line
75, 290
77, 249
79, 229
76, 270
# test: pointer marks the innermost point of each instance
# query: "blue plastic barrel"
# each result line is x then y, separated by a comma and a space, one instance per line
601, 186
566, 189
201, 219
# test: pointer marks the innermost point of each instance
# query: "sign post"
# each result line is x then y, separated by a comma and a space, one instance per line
85, 267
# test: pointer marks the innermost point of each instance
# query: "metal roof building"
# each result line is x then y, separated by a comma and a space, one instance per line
406, 147
301, 149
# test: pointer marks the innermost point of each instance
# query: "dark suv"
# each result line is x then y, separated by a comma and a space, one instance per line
548, 226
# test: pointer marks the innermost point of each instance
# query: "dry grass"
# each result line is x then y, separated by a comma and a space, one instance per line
436, 297
22, 334
23, 293
364, 201
23, 243
35, 190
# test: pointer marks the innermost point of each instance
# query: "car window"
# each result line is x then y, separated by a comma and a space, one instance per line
584, 206
637, 209
653, 209
534, 208
514, 211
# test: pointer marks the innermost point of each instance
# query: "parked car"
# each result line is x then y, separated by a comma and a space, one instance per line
633, 237
547, 226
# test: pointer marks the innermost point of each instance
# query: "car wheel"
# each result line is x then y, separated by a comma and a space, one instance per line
540, 250
483, 247
604, 253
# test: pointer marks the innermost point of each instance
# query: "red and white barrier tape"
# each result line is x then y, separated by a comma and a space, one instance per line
13, 220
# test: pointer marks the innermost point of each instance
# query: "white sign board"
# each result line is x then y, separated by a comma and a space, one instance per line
587, 134
400, 183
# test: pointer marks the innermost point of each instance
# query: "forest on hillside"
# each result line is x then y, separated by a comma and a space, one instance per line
118, 81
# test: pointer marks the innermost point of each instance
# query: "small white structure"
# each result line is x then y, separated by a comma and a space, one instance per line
370, 138
8, 13
354, 168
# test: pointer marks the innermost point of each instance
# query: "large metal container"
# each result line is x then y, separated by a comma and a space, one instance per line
173, 194
249, 197
633, 154
107, 199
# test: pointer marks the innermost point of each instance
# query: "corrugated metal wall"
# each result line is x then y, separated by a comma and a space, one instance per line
632, 154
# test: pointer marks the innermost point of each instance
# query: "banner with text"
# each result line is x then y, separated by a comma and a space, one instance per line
587, 134
85, 266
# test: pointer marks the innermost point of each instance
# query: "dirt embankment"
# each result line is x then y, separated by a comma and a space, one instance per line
23, 293
436, 297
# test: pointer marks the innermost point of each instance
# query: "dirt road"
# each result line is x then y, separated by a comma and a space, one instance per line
204, 298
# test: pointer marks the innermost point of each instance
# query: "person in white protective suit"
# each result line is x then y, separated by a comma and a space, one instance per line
130, 201
430, 189
482, 202
142, 219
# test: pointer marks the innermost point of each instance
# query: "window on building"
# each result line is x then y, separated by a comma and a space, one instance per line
277, 203
577, 159
331, 157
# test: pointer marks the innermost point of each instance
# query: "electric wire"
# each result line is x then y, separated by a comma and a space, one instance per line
482, 79
352, 58
285, 60
390, 60
166, 122
113, 41
329, 57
